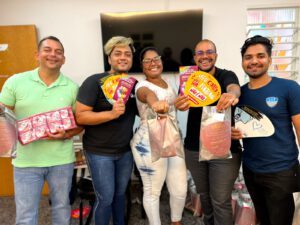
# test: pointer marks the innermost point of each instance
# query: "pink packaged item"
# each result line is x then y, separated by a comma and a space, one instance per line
245, 214
184, 73
215, 134
35, 127
124, 88
193, 203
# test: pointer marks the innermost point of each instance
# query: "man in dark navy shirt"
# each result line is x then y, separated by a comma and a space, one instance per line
270, 164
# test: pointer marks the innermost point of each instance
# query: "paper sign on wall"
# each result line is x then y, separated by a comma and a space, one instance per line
3, 47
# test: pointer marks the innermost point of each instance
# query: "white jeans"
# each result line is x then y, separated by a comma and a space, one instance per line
172, 170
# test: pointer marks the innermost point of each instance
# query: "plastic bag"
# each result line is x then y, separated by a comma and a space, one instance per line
215, 134
245, 214
192, 202
164, 136
8, 131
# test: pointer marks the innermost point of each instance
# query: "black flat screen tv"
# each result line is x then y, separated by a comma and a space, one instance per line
173, 33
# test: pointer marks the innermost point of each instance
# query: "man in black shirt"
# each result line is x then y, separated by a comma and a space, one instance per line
214, 179
108, 131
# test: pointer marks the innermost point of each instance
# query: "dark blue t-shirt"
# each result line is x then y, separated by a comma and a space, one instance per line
279, 101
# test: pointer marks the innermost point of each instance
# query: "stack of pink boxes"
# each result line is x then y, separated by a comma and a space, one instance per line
35, 127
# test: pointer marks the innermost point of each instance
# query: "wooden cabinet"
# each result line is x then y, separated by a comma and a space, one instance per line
18, 45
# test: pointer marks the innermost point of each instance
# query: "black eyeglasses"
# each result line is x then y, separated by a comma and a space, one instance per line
156, 59
208, 52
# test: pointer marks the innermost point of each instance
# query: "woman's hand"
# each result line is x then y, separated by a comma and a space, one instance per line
160, 106
182, 103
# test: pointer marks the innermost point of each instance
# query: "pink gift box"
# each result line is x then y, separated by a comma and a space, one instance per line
34, 127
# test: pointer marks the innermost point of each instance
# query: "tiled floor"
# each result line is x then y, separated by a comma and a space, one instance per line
7, 212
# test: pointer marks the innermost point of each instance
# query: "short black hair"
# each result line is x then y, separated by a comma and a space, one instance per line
144, 50
257, 39
50, 38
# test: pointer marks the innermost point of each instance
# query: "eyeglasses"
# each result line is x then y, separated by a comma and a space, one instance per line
208, 52
156, 59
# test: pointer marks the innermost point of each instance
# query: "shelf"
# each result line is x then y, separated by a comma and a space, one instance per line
283, 59
292, 75
275, 23
80, 166
284, 46
292, 72
77, 146
286, 43
281, 26
272, 32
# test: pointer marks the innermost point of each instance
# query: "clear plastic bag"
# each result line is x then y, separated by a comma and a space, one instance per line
245, 214
192, 202
215, 134
8, 131
164, 136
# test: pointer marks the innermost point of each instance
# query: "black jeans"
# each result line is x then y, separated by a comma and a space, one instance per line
272, 195
214, 181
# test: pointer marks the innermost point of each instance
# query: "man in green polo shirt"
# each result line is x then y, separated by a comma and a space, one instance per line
50, 159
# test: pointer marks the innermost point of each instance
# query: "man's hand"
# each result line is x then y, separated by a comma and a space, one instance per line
226, 100
236, 134
182, 103
61, 134
118, 108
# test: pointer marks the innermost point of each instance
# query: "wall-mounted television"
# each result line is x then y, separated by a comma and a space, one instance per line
173, 33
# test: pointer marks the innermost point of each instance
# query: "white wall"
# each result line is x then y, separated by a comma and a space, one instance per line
77, 24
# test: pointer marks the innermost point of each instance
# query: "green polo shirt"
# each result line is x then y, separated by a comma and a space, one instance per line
28, 94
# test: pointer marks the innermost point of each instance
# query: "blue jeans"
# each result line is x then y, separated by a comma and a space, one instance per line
214, 181
29, 183
110, 175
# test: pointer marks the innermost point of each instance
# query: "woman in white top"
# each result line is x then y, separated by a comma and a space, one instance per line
154, 93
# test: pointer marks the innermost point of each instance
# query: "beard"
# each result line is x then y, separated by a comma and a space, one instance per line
257, 75
207, 70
